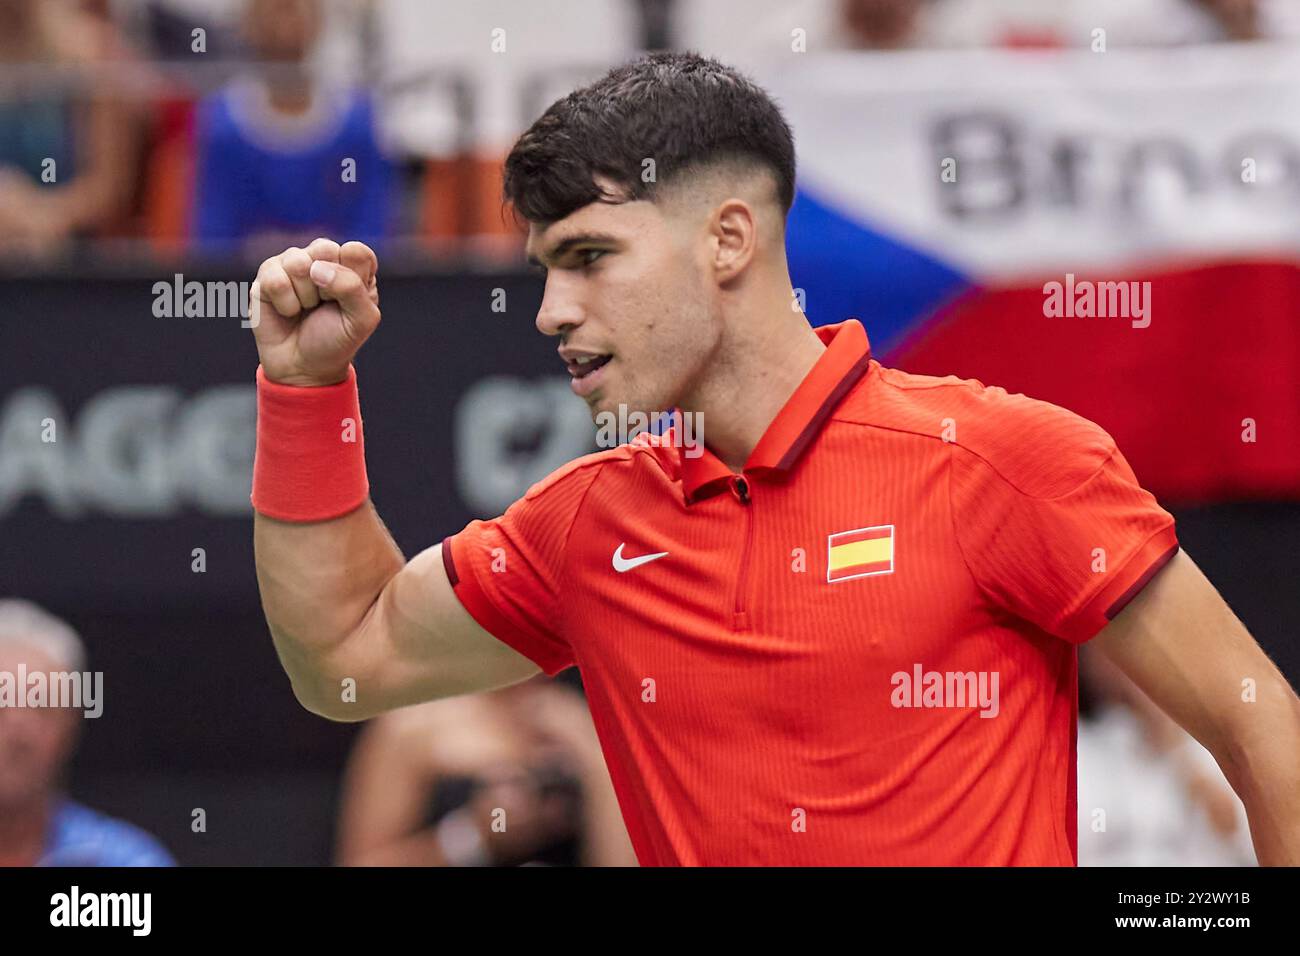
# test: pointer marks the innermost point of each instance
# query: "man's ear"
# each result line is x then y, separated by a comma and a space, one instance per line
735, 230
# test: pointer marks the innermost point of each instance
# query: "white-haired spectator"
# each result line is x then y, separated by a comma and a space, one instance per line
39, 824
22, 622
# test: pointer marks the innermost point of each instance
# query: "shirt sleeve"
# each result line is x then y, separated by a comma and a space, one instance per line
1069, 542
509, 571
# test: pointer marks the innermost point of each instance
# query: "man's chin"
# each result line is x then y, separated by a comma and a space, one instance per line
601, 400
598, 405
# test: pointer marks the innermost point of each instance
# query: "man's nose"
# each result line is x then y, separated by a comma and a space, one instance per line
561, 309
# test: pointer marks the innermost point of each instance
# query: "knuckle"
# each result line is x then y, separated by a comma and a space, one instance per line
276, 283
323, 248
360, 250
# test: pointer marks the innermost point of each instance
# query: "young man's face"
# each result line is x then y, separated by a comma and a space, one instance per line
628, 295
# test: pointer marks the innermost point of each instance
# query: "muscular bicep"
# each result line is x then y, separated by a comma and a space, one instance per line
1181, 644
417, 643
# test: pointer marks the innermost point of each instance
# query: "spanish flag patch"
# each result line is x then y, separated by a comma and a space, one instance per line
855, 554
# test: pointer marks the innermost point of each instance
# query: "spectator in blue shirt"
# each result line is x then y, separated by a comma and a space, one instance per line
282, 157
39, 825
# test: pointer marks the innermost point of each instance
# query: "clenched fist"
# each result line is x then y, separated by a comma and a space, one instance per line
312, 309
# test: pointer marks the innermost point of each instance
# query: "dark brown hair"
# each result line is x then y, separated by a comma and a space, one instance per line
682, 110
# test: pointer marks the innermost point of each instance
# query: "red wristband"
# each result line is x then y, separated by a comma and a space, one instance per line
311, 461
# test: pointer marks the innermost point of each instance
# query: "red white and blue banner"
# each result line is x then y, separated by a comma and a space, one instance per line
1118, 233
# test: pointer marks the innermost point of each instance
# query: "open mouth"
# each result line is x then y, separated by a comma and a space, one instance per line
581, 368
587, 371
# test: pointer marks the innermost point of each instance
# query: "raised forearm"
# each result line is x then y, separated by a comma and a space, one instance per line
340, 600
318, 582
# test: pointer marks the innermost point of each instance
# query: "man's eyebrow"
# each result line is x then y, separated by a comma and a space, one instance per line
564, 245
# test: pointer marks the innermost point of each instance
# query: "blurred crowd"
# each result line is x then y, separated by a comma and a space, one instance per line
242, 126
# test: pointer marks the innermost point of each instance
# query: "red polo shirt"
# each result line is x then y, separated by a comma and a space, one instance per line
860, 651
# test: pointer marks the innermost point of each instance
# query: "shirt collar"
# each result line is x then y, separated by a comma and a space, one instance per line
837, 370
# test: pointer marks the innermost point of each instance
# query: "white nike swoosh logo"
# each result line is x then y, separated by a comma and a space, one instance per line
622, 564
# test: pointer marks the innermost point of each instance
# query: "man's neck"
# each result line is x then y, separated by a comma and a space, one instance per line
751, 382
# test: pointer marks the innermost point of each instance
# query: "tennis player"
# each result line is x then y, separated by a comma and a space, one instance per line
845, 630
